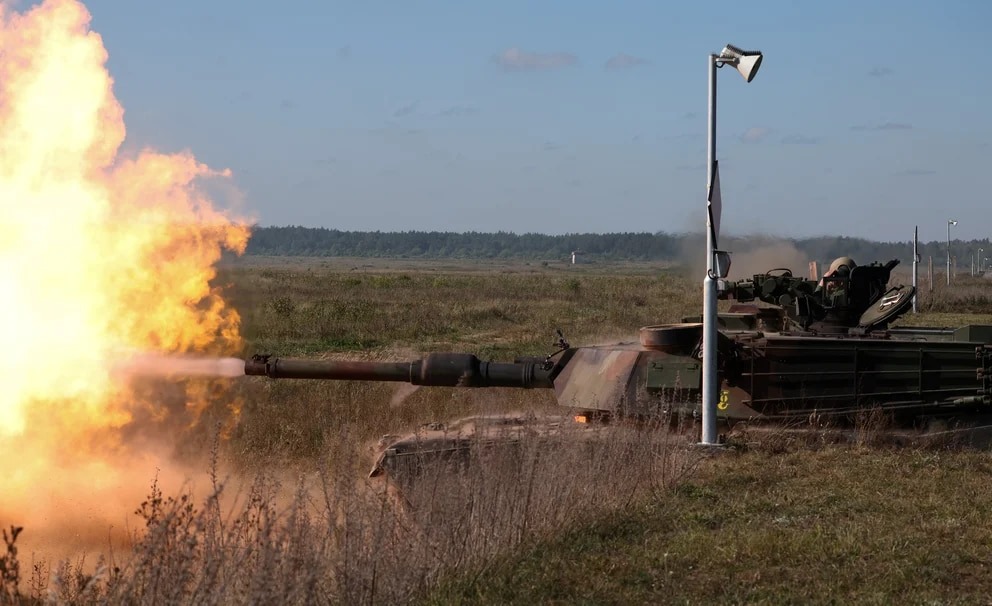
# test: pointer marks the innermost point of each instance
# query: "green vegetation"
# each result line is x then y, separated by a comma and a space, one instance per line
658, 246
472, 245
587, 517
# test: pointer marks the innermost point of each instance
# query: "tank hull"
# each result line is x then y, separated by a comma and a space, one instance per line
766, 376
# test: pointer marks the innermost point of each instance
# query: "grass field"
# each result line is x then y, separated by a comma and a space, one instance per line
624, 517
837, 525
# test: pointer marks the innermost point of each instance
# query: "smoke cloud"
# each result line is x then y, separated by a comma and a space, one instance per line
768, 256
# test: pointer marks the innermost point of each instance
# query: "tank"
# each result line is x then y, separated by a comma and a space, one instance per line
789, 347
791, 351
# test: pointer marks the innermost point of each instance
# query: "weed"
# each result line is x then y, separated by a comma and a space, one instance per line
10, 568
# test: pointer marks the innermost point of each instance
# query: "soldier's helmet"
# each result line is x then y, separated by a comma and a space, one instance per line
841, 266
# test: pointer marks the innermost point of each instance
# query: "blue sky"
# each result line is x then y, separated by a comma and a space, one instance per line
865, 118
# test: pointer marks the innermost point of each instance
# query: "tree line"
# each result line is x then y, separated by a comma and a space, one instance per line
625, 246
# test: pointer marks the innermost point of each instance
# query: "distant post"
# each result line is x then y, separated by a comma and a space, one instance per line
950, 222
916, 261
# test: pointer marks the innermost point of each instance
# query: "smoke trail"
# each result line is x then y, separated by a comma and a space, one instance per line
174, 366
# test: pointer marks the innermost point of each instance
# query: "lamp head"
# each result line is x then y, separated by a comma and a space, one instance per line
745, 62
952, 222
721, 263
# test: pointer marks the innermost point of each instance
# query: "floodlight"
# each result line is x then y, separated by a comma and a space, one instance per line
746, 62
721, 263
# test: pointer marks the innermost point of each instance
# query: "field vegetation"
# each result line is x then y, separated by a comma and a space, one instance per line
578, 515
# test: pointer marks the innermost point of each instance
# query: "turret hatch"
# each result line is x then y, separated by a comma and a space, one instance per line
895, 302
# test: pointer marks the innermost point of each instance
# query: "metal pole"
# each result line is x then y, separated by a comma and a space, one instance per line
930, 271
916, 261
710, 386
948, 253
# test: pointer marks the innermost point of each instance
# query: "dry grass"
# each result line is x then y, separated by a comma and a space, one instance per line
966, 300
305, 312
593, 514
342, 538
791, 518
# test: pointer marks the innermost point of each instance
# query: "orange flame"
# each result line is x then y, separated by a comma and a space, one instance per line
100, 255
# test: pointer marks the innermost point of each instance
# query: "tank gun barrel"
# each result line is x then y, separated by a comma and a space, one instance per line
436, 369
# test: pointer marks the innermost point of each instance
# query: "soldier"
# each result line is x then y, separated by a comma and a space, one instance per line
840, 268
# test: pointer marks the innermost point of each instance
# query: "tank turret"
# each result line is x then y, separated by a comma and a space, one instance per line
841, 302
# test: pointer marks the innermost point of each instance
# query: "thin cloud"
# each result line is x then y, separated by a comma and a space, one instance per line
456, 111
800, 140
393, 132
344, 52
880, 72
406, 110
755, 134
514, 59
884, 126
894, 126
623, 61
